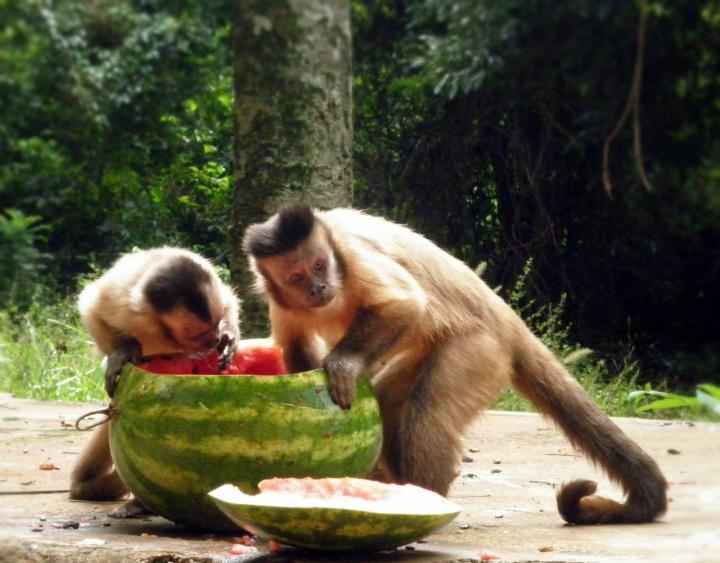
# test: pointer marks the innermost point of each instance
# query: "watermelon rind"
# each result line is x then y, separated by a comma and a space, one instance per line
336, 524
174, 438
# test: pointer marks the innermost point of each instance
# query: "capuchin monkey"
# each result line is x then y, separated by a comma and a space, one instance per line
357, 294
152, 302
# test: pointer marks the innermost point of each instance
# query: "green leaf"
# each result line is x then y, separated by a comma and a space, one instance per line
710, 389
675, 402
649, 393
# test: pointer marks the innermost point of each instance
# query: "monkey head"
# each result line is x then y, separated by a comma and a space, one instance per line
188, 302
295, 259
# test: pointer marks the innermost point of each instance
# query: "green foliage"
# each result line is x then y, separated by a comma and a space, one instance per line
115, 125
482, 123
45, 353
607, 378
21, 263
705, 402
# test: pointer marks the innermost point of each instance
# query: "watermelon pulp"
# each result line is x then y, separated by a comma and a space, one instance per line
336, 514
248, 360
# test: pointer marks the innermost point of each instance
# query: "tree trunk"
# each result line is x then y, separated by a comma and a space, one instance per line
293, 123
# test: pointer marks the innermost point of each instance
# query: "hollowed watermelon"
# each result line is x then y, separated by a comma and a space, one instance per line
337, 514
174, 438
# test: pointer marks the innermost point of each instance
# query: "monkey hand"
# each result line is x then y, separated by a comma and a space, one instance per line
343, 371
226, 348
128, 351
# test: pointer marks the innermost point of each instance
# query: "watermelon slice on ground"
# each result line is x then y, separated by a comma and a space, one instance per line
336, 514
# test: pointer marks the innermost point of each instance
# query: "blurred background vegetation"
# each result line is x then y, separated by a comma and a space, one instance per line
481, 123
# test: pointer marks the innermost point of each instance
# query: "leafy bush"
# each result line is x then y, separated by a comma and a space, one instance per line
607, 380
21, 263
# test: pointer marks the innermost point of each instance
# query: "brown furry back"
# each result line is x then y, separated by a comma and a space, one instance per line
541, 377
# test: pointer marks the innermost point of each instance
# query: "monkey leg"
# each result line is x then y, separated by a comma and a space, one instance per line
460, 377
93, 477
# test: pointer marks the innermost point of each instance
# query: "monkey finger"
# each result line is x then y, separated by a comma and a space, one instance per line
342, 390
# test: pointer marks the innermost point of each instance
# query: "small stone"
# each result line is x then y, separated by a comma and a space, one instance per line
107, 524
496, 471
498, 515
473, 450
464, 526
467, 459
497, 462
42, 518
70, 524
673, 451
410, 548
38, 529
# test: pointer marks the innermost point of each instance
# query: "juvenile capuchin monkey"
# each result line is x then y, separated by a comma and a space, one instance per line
152, 302
357, 294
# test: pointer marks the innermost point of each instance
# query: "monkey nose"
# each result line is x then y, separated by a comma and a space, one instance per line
318, 289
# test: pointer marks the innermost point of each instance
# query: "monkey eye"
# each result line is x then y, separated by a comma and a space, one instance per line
319, 265
297, 277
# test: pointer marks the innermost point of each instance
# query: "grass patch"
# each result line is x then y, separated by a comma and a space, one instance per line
45, 353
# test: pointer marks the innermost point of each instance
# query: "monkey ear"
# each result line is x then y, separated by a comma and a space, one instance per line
284, 231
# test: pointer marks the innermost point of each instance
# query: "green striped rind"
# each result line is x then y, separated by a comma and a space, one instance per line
333, 529
178, 437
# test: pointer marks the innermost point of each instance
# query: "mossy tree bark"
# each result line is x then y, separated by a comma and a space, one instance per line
293, 123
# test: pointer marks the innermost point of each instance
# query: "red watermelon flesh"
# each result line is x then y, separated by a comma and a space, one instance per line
252, 360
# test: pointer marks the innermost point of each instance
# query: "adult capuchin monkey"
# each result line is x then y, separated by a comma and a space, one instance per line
159, 301
358, 294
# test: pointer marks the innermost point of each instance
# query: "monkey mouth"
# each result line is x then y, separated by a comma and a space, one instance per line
320, 301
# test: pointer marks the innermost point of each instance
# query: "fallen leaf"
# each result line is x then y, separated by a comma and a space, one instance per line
48, 466
274, 546
547, 549
488, 556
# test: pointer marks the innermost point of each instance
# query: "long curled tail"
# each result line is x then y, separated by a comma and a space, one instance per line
541, 378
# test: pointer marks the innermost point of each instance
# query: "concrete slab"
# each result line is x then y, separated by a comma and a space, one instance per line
513, 462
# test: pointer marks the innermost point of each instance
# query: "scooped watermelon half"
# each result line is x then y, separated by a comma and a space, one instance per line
336, 514
173, 438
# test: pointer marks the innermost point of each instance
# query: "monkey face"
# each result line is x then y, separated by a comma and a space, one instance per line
309, 283
185, 330
302, 281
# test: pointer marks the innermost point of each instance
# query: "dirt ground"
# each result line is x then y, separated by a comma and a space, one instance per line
512, 463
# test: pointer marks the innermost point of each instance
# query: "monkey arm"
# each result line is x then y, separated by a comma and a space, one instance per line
128, 351
372, 333
392, 301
